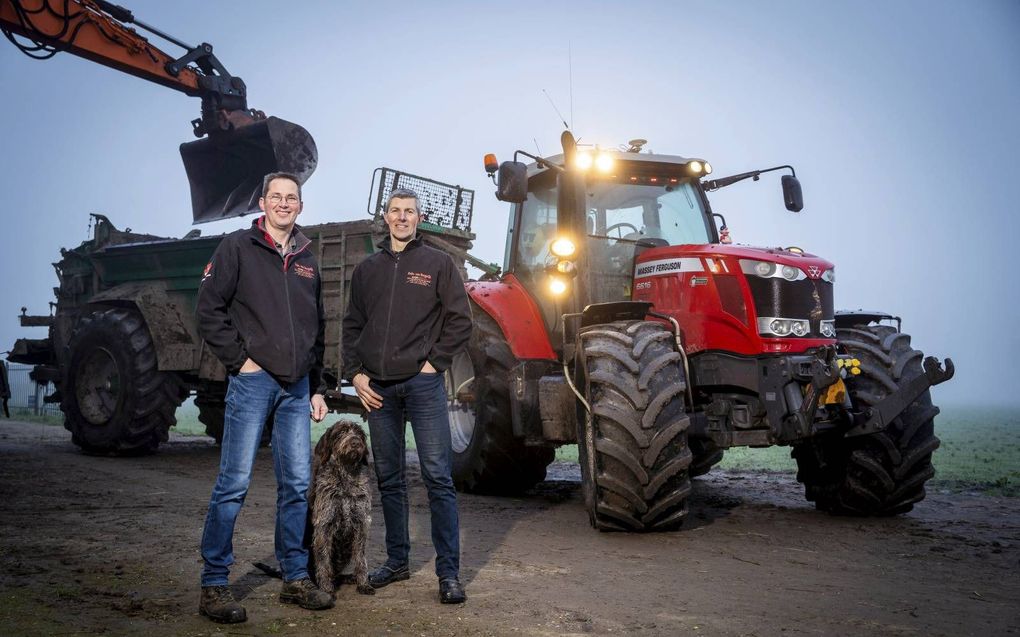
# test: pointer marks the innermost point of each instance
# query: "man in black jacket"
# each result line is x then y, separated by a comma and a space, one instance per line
407, 318
260, 311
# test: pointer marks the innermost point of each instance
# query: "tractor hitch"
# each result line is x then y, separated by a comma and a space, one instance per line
878, 417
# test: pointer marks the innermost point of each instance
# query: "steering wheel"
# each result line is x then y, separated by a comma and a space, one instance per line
622, 224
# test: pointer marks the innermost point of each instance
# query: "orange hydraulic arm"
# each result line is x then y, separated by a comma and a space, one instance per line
95, 29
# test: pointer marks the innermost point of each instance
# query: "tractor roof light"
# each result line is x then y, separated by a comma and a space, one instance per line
557, 286
604, 162
583, 161
567, 267
563, 247
708, 168
695, 167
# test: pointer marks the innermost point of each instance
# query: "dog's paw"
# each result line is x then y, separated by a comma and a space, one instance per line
366, 589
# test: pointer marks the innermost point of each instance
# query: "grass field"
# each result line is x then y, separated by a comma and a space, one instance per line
980, 448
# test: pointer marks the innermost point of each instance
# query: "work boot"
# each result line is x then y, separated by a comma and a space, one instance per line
386, 575
219, 605
306, 595
451, 591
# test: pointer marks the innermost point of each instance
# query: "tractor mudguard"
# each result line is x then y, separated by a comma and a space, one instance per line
173, 331
509, 304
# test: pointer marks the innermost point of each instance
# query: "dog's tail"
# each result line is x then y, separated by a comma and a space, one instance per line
268, 570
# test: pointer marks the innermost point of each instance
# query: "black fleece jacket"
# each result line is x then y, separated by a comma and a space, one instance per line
406, 308
255, 303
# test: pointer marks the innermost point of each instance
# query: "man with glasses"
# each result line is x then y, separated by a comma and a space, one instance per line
407, 318
260, 311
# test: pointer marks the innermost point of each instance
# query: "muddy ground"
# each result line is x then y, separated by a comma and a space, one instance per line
110, 546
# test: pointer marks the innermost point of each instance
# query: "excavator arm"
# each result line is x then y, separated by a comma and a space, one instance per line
238, 145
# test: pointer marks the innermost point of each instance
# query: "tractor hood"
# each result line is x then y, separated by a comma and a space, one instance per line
668, 259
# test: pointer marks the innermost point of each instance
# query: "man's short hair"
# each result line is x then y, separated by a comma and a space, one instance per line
402, 193
280, 175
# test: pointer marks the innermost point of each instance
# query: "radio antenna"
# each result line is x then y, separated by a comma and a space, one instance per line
558, 113
570, 82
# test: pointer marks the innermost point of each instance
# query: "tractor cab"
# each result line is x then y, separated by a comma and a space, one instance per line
623, 204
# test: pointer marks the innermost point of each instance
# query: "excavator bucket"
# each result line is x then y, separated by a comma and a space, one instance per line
226, 170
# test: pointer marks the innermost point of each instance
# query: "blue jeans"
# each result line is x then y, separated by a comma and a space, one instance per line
250, 400
423, 398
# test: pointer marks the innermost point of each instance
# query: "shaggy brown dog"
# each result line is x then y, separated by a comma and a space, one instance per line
339, 506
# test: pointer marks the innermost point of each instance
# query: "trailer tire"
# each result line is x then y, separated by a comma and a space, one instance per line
114, 398
212, 410
633, 449
882, 473
487, 458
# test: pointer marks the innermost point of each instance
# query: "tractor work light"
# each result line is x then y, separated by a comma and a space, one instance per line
603, 162
769, 270
828, 328
563, 247
777, 326
583, 161
567, 267
557, 286
695, 167
708, 168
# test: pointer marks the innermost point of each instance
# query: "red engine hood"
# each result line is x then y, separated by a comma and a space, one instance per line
812, 265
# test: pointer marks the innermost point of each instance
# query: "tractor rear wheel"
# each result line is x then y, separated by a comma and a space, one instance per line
633, 445
882, 473
487, 458
212, 411
114, 398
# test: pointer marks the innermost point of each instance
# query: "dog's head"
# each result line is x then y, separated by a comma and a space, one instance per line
343, 444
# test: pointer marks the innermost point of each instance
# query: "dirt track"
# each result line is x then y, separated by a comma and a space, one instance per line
109, 546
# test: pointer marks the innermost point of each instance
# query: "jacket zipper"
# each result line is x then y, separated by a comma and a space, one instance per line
290, 310
389, 312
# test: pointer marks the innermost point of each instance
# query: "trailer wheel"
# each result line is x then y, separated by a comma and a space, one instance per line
212, 409
883, 473
115, 400
633, 445
487, 458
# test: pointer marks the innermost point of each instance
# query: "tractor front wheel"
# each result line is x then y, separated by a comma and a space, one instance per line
632, 446
882, 473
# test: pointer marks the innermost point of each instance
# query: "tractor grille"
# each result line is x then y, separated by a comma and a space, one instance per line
805, 299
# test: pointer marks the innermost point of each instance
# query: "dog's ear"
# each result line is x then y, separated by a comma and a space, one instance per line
322, 448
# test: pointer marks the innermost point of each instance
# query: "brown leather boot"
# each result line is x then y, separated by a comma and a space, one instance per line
306, 595
219, 605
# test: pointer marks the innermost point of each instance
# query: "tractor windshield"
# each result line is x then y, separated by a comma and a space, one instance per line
620, 212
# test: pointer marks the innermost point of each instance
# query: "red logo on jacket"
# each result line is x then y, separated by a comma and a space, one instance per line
304, 270
419, 278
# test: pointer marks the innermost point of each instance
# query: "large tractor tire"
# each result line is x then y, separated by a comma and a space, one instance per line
212, 409
633, 445
882, 473
487, 458
115, 400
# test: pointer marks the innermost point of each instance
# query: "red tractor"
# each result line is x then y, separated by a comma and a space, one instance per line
623, 324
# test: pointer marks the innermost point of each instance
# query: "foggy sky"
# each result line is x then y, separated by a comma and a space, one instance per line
899, 117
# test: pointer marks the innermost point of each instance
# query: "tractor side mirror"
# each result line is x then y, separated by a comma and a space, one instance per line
512, 182
792, 195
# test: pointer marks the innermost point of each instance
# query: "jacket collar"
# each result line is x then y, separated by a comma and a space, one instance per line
384, 244
258, 229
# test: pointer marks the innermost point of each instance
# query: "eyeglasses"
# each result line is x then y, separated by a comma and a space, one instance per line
277, 198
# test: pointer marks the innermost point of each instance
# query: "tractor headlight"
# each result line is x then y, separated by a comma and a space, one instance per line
828, 328
829, 276
557, 286
563, 247
777, 326
768, 270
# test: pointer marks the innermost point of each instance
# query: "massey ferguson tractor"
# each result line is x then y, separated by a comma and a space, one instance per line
624, 324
